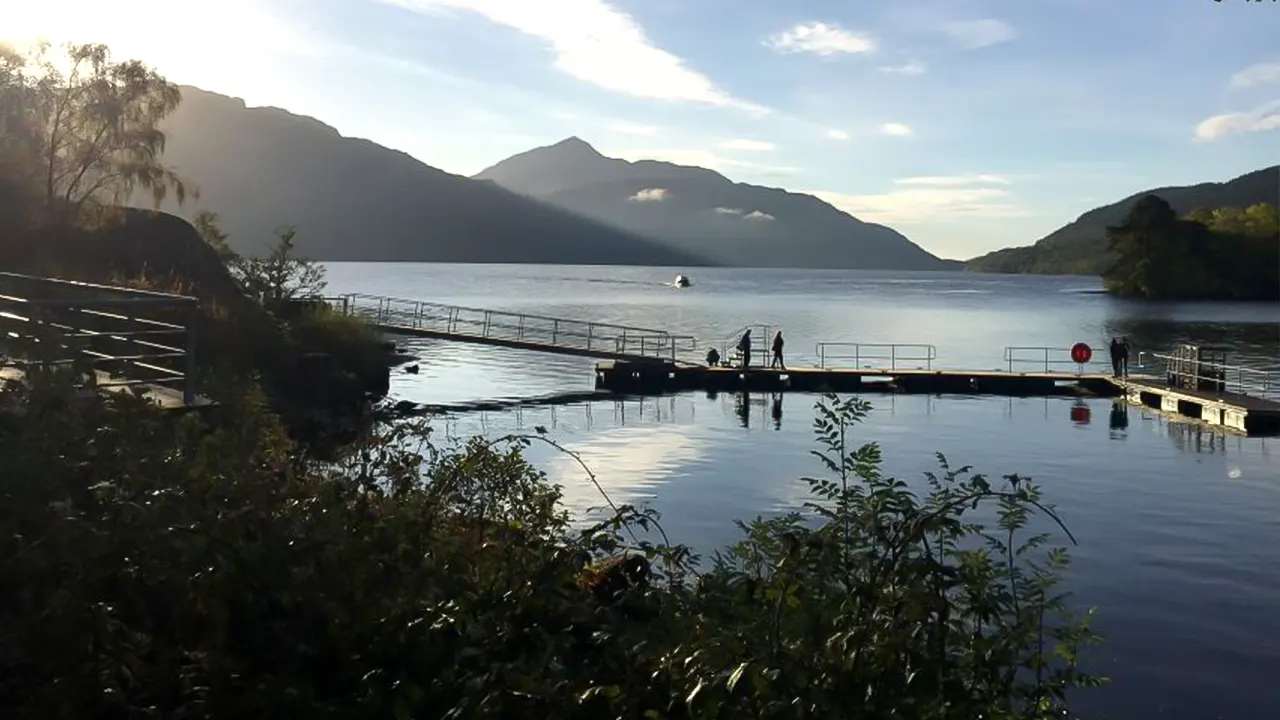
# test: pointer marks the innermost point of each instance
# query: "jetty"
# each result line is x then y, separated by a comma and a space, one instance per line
119, 339
1188, 381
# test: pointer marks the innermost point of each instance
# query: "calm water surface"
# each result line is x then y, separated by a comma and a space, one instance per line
1179, 525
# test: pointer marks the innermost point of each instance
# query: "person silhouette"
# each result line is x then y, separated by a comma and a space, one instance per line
777, 352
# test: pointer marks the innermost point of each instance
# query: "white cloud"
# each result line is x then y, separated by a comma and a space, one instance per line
974, 34
915, 67
757, 216
630, 129
599, 44
650, 195
895, 129
927, 204
953, 180
837, 134
820, 39
729, 211
752, 145
1259, 74
1266, 117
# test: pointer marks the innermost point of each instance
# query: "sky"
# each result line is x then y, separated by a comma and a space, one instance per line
968, 125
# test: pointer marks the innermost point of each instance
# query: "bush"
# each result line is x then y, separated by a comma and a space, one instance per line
201, 569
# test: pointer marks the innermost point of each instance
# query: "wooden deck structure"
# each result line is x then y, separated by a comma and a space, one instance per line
644, 361
131, 339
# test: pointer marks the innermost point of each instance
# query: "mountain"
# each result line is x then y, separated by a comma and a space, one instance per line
1081, 246
704, 212
351, 199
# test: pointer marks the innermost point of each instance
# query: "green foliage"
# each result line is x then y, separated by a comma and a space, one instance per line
210, 231
1228, 253
199, 570
89, 126
282, 275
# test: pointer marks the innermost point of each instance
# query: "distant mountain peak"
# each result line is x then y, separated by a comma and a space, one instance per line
576, 144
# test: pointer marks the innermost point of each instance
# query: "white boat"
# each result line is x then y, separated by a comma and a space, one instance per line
681, 282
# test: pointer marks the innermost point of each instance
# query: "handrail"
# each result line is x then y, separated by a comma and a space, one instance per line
1045, 356
508, 313
515, 326
760, 354
102, 327
1262, 384
898, 353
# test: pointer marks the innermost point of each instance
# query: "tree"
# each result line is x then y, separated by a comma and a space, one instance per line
98, 128
208, 227
282, 275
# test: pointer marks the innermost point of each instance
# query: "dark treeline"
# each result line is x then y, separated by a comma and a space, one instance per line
1218, 254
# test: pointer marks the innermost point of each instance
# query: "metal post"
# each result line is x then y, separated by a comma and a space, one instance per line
189, 359
590, 331
555, 331
893, 357
488, 316
520, 330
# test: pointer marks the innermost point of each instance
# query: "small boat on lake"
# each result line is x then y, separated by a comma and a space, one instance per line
681, 282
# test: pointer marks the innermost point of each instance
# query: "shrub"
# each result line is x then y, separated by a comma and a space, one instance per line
201, 568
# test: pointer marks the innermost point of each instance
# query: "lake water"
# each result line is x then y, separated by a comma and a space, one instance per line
1179, 525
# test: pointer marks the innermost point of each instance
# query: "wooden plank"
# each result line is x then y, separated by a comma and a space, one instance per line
1244, 402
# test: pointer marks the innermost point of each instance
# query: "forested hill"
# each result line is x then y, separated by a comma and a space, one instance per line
1080, 248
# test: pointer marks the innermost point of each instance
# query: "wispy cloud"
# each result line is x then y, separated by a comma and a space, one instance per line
1266, 117
820, 38
1260, 74
599, 44
919, 205
914, 67
953, 180
974, 34
729, 211
758, 216
631, 129
749, 145
835, 134
896, 129
650, 195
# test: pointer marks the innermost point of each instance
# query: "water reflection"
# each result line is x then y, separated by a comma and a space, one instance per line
1250, 332
1119, 420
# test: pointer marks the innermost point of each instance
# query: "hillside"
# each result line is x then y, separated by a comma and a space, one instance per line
704, 212
1080, 247
352, 199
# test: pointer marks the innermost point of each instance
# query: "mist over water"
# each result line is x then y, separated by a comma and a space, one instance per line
1178, 524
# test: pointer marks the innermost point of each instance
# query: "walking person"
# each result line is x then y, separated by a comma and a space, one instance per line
744, 346
1115, 357
1124, 357
777, 352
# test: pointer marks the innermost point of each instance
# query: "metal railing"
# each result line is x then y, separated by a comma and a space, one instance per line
898, 355
605, 338
133, 337
761, 346
1218, 378
1032, 358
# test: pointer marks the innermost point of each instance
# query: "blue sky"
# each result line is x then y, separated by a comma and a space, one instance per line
966, 124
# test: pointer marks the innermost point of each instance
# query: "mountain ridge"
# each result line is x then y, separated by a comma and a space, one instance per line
1079, 247
353, 199
705, 212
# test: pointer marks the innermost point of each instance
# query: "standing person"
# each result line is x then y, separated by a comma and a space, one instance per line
1115, 357
745, 346
1124, 356
777, 352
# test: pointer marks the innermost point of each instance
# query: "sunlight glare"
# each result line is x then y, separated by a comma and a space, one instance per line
214, 44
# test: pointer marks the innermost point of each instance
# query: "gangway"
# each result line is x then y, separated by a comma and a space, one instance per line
524, 331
